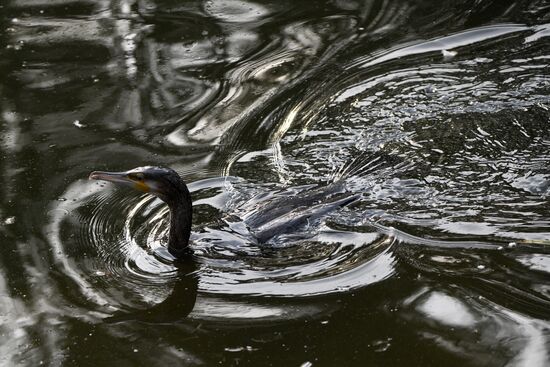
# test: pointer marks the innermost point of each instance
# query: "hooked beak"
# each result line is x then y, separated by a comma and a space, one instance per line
120, 178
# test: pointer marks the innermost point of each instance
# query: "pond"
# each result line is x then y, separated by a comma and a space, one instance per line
432, 116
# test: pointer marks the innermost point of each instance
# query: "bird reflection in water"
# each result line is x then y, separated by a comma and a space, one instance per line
177, 306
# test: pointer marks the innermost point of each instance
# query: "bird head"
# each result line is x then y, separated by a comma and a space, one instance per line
164, 183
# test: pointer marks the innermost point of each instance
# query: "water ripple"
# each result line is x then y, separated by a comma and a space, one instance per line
433, 116
121, 262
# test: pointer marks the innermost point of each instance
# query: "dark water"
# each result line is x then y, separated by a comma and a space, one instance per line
436, 113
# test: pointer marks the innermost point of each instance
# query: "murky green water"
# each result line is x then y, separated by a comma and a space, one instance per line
436, 113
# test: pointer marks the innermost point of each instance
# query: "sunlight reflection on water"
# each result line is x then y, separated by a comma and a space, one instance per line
434, 115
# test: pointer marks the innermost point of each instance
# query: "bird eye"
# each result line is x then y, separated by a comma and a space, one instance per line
136, 176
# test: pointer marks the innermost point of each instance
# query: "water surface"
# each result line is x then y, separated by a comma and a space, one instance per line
434, 114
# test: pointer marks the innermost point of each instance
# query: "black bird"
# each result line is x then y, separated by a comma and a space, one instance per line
168, 186
281, 214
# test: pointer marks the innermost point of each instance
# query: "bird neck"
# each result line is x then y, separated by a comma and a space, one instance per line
181, 214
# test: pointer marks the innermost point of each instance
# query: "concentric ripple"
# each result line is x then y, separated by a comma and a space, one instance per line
113, 242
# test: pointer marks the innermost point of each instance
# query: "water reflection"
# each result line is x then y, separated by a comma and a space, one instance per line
176, 306
433, 114
480, 321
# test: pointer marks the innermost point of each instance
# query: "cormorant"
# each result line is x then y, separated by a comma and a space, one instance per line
284, 213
